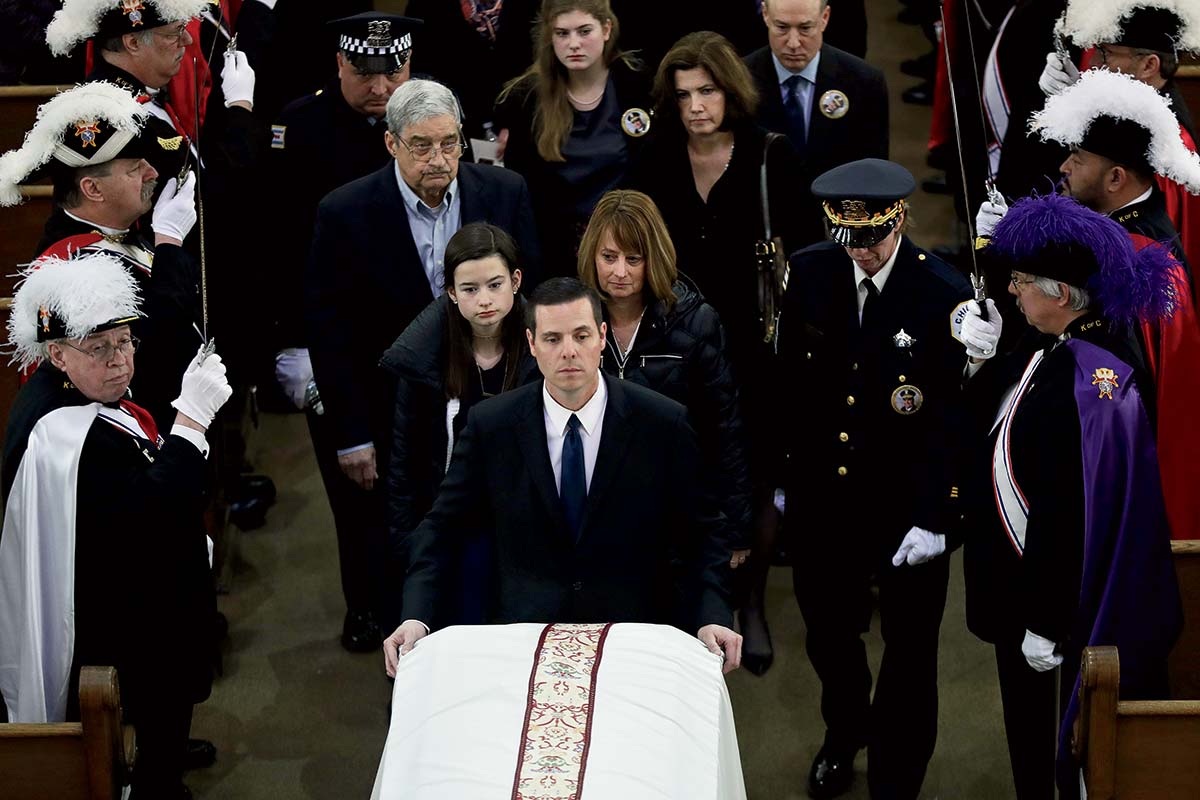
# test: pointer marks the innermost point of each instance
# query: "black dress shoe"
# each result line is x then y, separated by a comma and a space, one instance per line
831, 774
200, 753
919, 95
259, 487
924, 66
360, 633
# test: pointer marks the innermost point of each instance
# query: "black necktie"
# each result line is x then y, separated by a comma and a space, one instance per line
793, 109
574, 479
871, 301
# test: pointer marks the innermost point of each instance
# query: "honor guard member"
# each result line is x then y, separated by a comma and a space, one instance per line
1145, 40
870, 479
1124, 141
103, 559
832, 105
141, 45
89, 141
1067, 536
321, 142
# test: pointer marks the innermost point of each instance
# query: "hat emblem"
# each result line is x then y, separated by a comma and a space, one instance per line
44, 317
133, 9
86, 130
854, 211
379, 33
1106, 380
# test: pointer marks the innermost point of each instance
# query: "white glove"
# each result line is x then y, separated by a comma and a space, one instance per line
919, 546
175, 212
205, 389
237, 78
979, 336
1039, 652
293, 370
989, 214
1058, 74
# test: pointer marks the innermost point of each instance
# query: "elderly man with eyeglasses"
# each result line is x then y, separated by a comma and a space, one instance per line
1067, 541
376, 262
103, 556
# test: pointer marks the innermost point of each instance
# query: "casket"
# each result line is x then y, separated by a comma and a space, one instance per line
560, 712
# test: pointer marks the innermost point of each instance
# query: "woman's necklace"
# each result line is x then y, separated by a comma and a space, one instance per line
586, 105
622, 353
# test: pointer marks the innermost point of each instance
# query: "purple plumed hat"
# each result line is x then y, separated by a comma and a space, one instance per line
1053, 236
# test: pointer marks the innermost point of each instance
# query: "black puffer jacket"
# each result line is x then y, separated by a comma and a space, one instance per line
421, 444
682, 354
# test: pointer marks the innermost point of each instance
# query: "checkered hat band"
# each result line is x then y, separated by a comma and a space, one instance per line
351, 44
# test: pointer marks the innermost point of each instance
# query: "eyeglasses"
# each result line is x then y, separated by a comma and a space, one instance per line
104, 352
1018, 282
423, 151
175, 35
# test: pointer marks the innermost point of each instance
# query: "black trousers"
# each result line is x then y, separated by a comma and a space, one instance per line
1030, 719
162, 733
361, 526
832, 580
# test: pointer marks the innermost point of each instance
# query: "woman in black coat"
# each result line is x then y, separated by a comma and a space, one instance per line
664, 336
466, 346
703, 171
572, 123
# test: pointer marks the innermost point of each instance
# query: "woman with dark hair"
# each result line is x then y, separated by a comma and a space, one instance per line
662, 335
466, 346
703, 171
572, 121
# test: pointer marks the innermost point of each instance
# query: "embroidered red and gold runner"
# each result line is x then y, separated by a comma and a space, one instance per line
558, 713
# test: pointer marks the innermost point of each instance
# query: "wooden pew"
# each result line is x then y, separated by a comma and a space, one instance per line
1145, 749
87, 760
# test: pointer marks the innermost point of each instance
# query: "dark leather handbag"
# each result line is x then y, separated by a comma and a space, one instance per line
771, 259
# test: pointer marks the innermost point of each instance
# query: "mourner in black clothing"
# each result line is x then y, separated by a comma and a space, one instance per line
569, 476
663, 335
704, 170
832, 106
376, 262
870, 477
572, 123
87, 472
466, 346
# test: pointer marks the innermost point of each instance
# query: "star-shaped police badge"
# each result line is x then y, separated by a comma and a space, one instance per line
903, 340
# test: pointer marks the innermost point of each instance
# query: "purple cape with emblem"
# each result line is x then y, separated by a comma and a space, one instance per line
1130, 596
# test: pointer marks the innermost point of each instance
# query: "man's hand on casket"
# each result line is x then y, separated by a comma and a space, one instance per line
400, 642
723, 642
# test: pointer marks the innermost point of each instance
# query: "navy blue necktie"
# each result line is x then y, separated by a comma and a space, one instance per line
793, 109
573, 492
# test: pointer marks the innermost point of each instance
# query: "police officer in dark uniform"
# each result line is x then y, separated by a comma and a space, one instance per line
870, 480
321, 142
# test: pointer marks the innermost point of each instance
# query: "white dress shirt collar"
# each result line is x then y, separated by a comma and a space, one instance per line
416, 204
101, 228
589, 416
809, 73
879, 278
1141, 198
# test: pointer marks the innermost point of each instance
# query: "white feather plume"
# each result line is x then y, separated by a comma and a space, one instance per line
1091, 22
78, 20
84, 292
1099, 92
96, 100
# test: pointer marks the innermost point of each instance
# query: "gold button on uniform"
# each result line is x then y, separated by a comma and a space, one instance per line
920, 256
903, 379
850, 400
854, 365
845, 437
841, 471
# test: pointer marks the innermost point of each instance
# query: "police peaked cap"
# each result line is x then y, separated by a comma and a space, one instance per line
375, 42
863, 200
